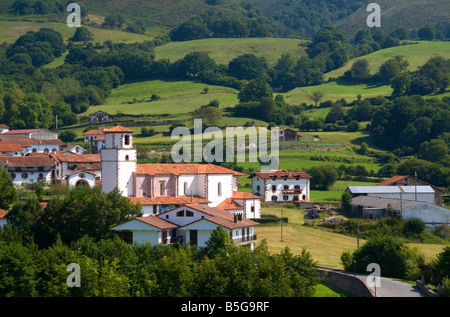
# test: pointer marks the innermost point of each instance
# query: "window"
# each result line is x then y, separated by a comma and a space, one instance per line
258, 188
127, 139
285, 197
24, 175
185, 189
127, 158
41, 176
126, 236
274, 198
162, 188
297, 187
180, 213
189, 213
274, 188
286, 187
219, 189
82, 175
13, 175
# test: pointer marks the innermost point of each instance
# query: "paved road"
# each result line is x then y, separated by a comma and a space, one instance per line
392, 288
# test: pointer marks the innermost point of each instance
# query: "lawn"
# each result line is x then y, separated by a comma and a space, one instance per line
325, 247
224, 50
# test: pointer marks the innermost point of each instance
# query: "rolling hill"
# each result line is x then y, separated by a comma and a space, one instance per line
411, 14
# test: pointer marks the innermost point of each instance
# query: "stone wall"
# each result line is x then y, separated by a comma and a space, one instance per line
345, 282
425, 289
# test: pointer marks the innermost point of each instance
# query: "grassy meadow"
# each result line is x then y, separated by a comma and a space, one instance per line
325, 247
223, 50
416, 55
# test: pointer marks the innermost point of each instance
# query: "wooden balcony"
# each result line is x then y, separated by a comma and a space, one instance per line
291, 191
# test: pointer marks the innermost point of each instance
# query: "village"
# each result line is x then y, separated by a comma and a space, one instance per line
187, 202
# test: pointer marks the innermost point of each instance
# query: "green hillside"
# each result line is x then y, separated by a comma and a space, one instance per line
411, 14
224, 50
416, 55
12, 30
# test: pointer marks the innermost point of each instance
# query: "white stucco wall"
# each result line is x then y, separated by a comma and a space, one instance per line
227, 188
267, 192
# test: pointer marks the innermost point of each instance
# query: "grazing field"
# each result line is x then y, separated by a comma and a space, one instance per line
325, 247
415, 54
224, 50
12, 30
177, 98
334, 91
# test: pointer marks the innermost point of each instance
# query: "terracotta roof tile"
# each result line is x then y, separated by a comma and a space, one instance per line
243, 195
10, 147
157, 222
169, 200
178, 169
77, 158
25, 161
94, 132
3, 213
229, 204
391, 180
222, 217
118, 128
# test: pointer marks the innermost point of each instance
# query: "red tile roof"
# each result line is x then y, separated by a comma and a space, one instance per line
77, 158
157, 222
94, 132
391, 180
169, 200
10, 147
229, 204
280, 174
221, 217
118, 129
243, 195
26, 161
23, 131
79, 171
3, 213
178, 169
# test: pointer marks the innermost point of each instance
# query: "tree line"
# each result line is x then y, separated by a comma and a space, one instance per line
75, 228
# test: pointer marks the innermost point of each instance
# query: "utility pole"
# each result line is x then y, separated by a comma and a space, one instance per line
415, 186
281, 223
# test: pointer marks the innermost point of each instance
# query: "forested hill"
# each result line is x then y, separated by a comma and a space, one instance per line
272, 17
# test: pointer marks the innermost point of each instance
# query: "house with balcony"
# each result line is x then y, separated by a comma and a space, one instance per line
190, 223
68, 163
24, 169
281, 186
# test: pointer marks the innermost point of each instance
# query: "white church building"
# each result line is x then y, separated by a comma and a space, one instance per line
206, 193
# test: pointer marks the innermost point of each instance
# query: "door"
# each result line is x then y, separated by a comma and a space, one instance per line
164, 237
193, 237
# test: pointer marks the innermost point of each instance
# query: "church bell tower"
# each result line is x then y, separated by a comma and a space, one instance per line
119, 160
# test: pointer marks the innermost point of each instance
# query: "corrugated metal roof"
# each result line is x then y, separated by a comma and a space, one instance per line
389, 189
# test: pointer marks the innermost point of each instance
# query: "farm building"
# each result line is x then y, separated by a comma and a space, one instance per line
415, 193
99, 117
286, 134
407, 180
39, 134
375, 208
25, 169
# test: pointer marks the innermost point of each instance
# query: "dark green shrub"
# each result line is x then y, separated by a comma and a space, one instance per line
414, 226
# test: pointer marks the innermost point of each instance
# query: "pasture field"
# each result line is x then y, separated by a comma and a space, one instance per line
416, 55
334, 91
223, 50
12, 30
325, 247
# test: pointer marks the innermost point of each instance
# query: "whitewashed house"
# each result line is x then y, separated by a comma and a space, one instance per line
191, 223
3, 128
10, 149
80, 178
282, 186
96, 138
68, 163
25, 169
